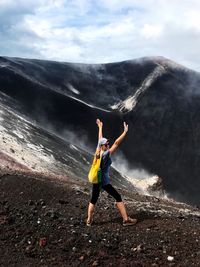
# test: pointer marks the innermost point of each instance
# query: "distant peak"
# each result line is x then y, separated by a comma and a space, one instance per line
163, 61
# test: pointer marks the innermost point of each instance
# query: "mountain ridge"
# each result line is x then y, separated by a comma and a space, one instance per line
47, 141
161, 110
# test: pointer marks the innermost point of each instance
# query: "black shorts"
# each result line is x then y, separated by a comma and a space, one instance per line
108, 188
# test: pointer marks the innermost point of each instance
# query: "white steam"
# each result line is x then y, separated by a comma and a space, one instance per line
70, 135
140, 178
120, 164
78, 139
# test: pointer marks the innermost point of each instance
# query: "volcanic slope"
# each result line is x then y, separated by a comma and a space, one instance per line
25, 147
157, 97
44, 196
42, 223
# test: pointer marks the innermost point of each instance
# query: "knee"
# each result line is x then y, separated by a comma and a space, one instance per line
118, 198
91, 207
93, 200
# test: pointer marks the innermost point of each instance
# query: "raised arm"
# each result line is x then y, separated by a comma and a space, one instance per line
119, 139
100, 126
100, 134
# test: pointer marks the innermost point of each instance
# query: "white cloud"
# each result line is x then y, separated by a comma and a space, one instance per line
149, 31
101, 31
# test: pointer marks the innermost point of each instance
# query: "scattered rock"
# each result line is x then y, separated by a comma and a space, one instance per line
41, 202
28, 249
81, 258
138, 248
12, 150
53, 214
63, 202
170, 258
30, 202
95, 263
42, 242
3, 219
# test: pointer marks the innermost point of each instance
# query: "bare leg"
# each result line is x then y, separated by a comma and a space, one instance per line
91, 206
119, 203
90, 212
122, 210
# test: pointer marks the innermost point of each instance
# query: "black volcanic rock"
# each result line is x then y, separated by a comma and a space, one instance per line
158, 98
167, 233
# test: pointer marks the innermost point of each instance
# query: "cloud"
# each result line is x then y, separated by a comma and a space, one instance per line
101, 31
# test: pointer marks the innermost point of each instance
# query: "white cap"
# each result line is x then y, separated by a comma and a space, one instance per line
102, 141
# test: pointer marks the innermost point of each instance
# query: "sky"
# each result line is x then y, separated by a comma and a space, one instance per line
101, 31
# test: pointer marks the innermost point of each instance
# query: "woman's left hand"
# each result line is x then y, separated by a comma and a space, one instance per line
125, 127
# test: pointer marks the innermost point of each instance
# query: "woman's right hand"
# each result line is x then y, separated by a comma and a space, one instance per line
99, 123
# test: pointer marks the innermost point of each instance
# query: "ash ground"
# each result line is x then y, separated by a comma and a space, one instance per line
42, 223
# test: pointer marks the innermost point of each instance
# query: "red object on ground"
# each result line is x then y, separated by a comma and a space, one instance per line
42, 242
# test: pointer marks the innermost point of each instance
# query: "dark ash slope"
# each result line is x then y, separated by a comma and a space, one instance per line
36, 209
164, 123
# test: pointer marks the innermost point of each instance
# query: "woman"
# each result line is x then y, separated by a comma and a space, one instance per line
105, 151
